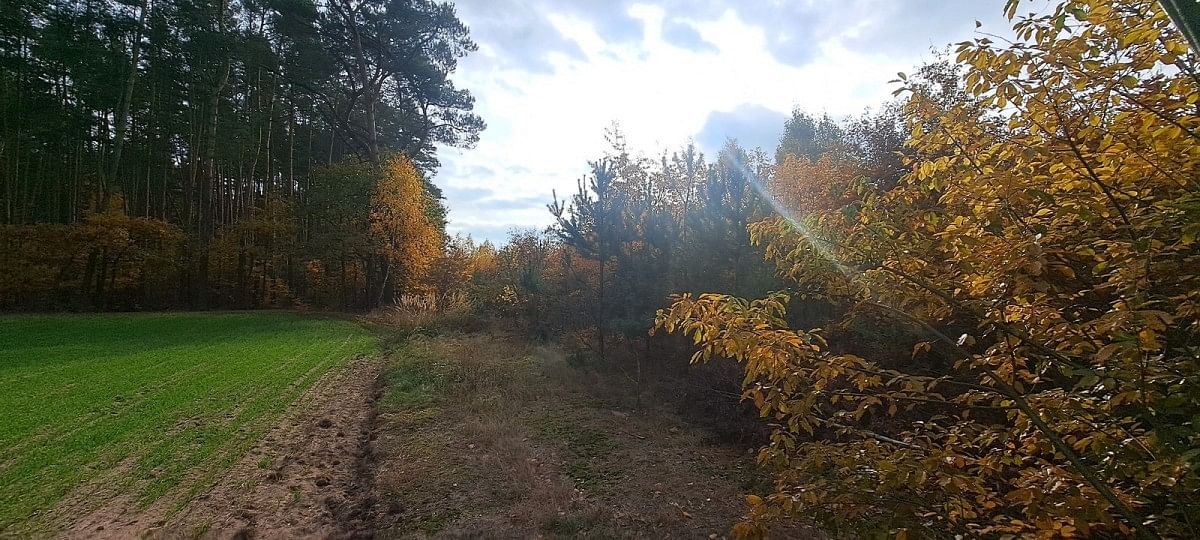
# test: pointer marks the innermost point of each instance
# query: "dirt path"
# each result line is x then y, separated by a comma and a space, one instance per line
303, 479
464, 436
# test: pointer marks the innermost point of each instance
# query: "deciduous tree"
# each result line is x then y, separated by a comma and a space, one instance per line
1043, 248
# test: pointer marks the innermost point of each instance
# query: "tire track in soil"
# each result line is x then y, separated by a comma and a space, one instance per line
310, 476
108, 499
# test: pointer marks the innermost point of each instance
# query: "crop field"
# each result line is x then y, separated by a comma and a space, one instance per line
145, 407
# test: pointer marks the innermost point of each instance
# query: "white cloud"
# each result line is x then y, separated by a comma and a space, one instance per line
547, 111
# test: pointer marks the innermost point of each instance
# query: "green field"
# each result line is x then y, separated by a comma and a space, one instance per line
142, 403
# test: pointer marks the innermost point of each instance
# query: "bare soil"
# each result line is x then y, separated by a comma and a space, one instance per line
303, 479
463, 436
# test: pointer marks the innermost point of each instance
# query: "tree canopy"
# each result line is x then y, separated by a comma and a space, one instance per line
212, 116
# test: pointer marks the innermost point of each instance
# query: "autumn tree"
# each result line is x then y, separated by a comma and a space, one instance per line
109, 260
406, 239
451, 273
1042, 248
251, 260
805, 186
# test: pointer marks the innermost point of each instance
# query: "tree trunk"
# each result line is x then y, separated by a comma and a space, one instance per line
370, 92
601, 308
126, 104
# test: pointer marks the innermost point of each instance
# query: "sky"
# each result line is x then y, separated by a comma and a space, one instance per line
550, 76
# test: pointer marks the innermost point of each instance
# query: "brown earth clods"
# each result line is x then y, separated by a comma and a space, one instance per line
303, 479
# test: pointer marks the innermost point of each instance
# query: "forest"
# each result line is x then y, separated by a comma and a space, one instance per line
230, 153
970, 311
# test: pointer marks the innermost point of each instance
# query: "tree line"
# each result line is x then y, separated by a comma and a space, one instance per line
221, 152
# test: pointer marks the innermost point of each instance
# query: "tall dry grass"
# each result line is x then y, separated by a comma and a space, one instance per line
428, 314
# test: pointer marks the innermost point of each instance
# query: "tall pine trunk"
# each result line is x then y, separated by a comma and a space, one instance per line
122, 120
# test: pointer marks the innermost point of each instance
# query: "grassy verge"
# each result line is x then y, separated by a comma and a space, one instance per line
484, 434
145, 405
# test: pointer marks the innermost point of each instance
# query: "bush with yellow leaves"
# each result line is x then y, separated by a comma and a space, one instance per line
1054, 217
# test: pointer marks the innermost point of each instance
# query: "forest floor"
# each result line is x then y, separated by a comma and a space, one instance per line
477, 435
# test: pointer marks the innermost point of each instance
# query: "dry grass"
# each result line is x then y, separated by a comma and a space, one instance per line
426, 314
484, 435
476, 453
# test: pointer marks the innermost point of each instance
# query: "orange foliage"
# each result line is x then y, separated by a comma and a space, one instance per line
805, 187
407, 240
108, 258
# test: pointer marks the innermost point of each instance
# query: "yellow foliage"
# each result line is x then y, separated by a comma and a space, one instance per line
1051, 219
805, 187
249, 259
407, 239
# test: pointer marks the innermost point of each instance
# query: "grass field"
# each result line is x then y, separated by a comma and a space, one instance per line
145, 405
